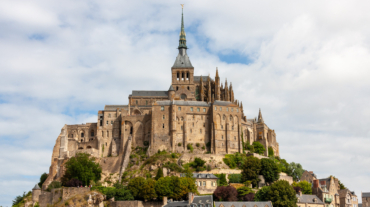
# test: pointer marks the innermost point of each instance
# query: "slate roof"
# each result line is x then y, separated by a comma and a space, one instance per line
197, 78
224, 103
171, 88
37, 187
309, 199
149, 93
182, 61
243, 203
366, 195
113, 107
208, 199
360, 205
202, 175
183, 103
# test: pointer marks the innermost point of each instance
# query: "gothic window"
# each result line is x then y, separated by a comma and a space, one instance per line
137, 102
92, 133
198, 109
191, 108
183, 76
111, 122
163, 126
82, 134
162, 108
178, 76
183, 96
107, 122
107, 133
179, 108
163, 117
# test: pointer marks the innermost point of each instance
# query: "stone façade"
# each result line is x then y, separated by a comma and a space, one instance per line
194, 110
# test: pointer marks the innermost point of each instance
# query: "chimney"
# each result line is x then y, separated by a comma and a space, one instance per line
316, 183
164, 201
191, 197
300, 193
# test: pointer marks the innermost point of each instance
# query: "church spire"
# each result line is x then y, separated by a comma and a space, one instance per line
182, 41
260, 119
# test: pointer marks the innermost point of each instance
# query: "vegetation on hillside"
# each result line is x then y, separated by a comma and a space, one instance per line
280, 193
305, 186
20, 200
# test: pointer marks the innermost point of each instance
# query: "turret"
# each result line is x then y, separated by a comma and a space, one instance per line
171, 93
217, 86
260, 118
209, 90
227, 97
201, 89
36, 192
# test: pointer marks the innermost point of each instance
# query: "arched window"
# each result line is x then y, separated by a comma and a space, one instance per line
163, 126
178, 76
187, 77
82, 134
183, 96
137, 102
92, 133
131, 130
107, 133
188, 88
183, 76
177, 88
224, 117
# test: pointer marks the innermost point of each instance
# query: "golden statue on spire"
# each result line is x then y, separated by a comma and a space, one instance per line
182, 5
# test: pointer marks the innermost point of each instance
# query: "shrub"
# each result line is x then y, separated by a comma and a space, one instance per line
235, 178
243, 191
74, 182
159, 173
208, 144
258, 148
305, 187
197, 144
209, 168
179, 144
173, 155
190, 147
42, 179
225, 193
203, 148
53, 185
222, 179
271, 152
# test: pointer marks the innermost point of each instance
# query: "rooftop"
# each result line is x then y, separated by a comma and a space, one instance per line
183, 103
308, 199
149, 93
114, 107
366, 194
202, 175
243, 204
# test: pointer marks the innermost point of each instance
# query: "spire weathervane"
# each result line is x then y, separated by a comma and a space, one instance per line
182, 41
182, 6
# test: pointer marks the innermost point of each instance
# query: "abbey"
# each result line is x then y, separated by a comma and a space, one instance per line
195, 110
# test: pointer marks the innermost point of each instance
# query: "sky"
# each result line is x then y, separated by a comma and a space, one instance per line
304, 63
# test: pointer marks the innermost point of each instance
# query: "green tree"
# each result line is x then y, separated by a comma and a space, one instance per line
251, 170
82, 167
175, 187
149, 190
304, 185
258, 148
281, 194
283, 165
295, 170
163, 187
159, 173
271, 151
235, 178
221, 179
137, 187
42, 179
269, 170
261, 195
198, 164
123, 194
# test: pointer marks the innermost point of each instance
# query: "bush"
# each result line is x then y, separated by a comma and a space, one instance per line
235, 160
173, 155
281, 194
197, 144
198, 164
235, 178
42, 179
271, 152
225, 193
179, 144
190, 147
159, 173
209, 168
175, 187
203, 148
305, 186
258, 148
53, 185
19, 200
243, 191
208, 144
74, 182
222, 179
82, 167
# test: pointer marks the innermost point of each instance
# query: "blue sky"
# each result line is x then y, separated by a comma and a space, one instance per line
305, 64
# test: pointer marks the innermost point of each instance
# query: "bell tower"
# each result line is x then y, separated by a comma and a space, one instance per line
182, 69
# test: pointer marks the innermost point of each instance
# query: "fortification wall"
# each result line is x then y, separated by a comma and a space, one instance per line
69, 192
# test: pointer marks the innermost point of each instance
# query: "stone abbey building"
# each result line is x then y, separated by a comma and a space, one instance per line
194, 109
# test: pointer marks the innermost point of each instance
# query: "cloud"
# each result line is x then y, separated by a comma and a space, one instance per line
307, 68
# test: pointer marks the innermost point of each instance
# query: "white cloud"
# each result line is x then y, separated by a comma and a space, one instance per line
60, 63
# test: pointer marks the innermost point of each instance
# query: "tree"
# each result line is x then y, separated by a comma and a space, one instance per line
243, 191
297, 189
123, 194
159, 173
261, 195
136, 186
281, 194
271, 152
74, 182
149, 190
295, 170
304, 185
269, 170
251, 170
42, 179
225, 193
82, 167
283, 165
258, 148
198, 164
248, 197
175, 187
221, 179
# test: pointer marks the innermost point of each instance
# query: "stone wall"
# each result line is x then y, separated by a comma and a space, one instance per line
56, 195
69, 192
45, 198
284, 176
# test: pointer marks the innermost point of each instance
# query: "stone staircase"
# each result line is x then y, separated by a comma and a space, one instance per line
126, 158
